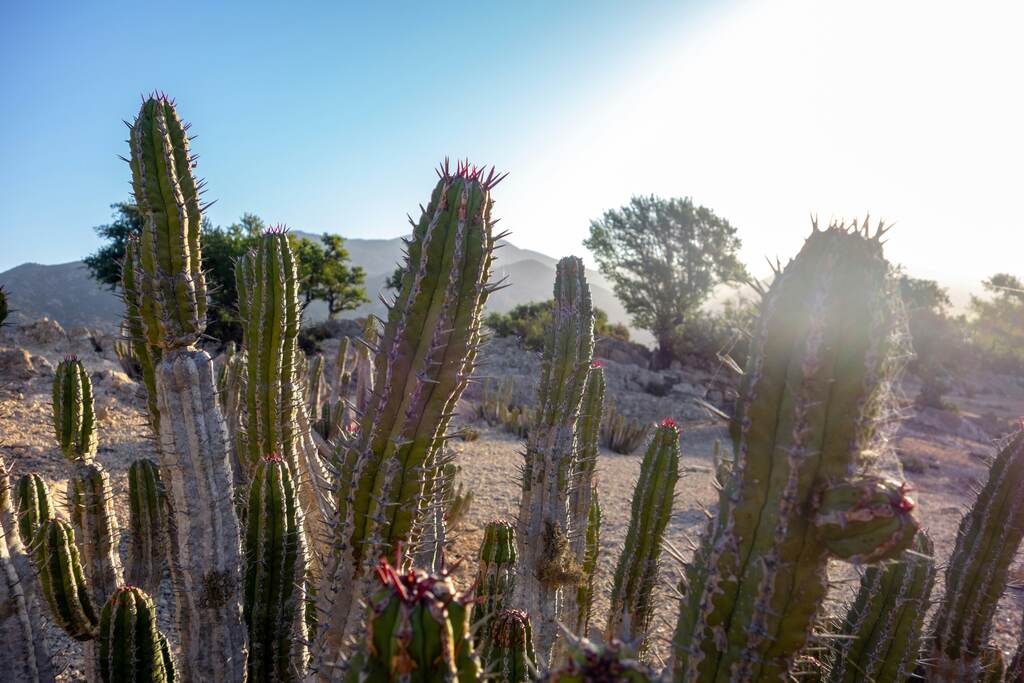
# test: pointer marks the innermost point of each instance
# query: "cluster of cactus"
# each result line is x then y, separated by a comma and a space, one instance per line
497, 407
622, 434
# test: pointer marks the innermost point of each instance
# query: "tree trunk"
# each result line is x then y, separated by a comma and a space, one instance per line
663, 355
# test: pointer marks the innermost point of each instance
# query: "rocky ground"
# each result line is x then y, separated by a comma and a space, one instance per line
943, 453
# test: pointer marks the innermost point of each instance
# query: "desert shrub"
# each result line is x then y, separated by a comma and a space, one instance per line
528, 322
716, 336
996, 326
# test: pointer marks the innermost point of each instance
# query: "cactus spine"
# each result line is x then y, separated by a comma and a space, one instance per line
881, 634
132, 650
32, 502
74, 419
63, 581
205, 545
92, 514
809, 405
987, 541
508, 654
274, 575
419, 379
496, 573
632, 607
147, 527
547, 565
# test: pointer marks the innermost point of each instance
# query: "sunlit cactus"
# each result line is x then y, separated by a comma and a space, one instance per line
131, 648
547, 565
147, 526
63, 582
365, 364
507, 651
141, 351
496, 573
32, 505
632, 600
96, 530
74, 417
880, 637
865, 519
809, 407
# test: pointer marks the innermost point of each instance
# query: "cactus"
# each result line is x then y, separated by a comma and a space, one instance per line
274, 574
546, 563
589, 663
865, 519
96, 529
621, 434
205, 545
366, 351
880, 637
24, 656
32, 502
142, 353
632, 606
74, 420
419, 379
508, 651
496, 574
416, 631
592, 548
810, 402
147, 526
315, 386
987, 542
132, 650
63, 581
993, 666
342, 372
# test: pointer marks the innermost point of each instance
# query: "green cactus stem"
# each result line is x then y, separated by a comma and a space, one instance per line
63, 582
865, 520
589, 663
96, 530
364, 365
315, 391
417, 631
142, 353
621, 434
32, 502
205, 544
342, 372
274, 574
496, 573
74, 419
585, 592
809, 407
147, 526
131, 647
425, 361
986, 544
508, 654
24, 655
546, 562
880, 637
632, 601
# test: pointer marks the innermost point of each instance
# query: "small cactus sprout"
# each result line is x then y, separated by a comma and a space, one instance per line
496, 573
63, 581
880, 638
131, 647
74, 419
508, 651
274, 574
865, 520
589, 663
986, 544
33, 506
416, 631
147, 527
632, 605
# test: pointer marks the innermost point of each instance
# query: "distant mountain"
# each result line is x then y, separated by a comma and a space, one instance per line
66, 293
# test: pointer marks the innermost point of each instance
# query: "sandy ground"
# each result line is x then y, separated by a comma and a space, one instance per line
953, 466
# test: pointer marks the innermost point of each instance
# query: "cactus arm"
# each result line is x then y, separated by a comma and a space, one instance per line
147, 528
32, 498
74, 419
496, 574
131, 648
63, 582
508, 654
96, 528
146, 355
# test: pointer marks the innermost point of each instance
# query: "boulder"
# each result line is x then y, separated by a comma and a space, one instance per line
16, 364
43, 332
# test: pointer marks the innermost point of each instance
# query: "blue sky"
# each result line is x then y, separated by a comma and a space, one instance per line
332, 117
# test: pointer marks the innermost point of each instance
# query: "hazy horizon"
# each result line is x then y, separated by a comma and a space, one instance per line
333, 119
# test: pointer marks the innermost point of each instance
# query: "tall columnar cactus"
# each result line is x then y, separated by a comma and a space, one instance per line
274, 575
24, 655
315, 389
417, 631
614, 661
63, 582
342, 371
205, 545
131, 646
582, 488
632, 602
142, 352
32, 505
987, 542
880, 637
96, 530
507, 654
806, 418
147, 526
546, 562
496, 574
364, 366
74, 419
424, 363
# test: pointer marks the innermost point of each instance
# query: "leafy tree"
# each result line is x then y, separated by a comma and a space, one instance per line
340, 285
104, 264
936, 337
394, 280
664, 257
530, 321
997, 326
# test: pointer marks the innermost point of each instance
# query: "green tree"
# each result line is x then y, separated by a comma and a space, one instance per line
394, 280
529, 322
104, 264
664, 257
221, 248
340, 285
936, 337
997, 324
